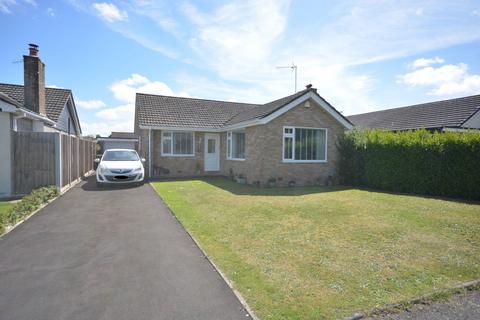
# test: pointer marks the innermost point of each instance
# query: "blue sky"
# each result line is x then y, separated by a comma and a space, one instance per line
361, 55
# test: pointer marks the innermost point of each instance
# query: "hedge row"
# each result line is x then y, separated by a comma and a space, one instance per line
421, 162
27, 205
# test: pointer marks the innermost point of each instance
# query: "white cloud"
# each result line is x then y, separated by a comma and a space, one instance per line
423, 62
446, 80
110, 12
5, 5
121, 113
50, 12
121, 118
103, 128
239, 43
239, 35
476, 13
90, 104
124, 90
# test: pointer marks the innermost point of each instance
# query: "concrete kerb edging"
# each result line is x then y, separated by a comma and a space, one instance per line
62, 191
217, 269
470, 285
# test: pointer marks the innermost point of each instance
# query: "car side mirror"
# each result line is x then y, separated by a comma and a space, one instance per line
143, 159
97, 160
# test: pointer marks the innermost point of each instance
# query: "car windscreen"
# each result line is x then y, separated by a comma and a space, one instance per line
120, 155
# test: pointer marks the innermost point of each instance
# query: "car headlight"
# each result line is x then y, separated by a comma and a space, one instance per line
101, 168
137, 170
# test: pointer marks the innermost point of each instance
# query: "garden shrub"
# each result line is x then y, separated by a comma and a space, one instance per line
419, 161
27, 205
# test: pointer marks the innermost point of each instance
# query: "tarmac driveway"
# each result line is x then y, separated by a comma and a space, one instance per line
109, 254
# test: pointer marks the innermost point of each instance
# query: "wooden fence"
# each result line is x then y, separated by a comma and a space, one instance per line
49, 158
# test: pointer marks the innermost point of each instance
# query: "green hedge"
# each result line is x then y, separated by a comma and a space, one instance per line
422, 162
27, 205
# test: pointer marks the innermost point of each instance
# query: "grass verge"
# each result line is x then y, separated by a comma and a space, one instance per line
13, 212
326, 253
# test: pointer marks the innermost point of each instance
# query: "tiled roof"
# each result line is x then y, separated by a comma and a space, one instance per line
263, 110
55, 98
166, 111
155, 110
438, 114
9, 100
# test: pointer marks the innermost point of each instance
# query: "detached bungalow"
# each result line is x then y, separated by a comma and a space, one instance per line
291, 141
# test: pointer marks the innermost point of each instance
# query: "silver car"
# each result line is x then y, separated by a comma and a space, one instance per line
120, 166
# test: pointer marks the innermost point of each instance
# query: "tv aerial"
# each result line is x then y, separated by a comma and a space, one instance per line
294, 69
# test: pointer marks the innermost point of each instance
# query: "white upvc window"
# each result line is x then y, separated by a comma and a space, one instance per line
236, 145
178, 143
304, 145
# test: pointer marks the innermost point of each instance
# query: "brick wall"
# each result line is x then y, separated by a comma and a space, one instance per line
264, 148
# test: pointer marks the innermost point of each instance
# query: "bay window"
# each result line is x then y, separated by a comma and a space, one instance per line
177, 143
236, 145
304, 144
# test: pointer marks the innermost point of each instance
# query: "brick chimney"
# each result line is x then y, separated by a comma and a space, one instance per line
34, 81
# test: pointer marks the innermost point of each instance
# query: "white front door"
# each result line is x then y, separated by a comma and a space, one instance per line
212, 152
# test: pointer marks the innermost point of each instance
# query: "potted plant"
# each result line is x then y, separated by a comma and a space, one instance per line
241, 179
272, 182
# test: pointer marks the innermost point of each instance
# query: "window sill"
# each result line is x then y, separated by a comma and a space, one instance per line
178, 155
235, 159
304, 161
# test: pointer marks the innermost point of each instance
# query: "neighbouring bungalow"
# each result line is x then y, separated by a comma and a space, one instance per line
446, 115
32, 108
289, 141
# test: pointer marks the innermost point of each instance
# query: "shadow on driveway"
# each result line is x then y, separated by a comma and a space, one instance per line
91, 185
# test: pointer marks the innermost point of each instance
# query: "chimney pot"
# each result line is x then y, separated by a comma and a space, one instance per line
308, 86
33, 49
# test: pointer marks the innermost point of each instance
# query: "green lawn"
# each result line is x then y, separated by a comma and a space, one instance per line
313, 253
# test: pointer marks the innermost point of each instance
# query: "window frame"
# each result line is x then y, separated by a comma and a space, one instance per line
292, 136
171, 154
229, 145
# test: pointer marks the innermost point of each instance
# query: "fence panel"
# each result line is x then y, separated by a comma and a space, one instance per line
65, 159
49, 158
77, 158
33, 160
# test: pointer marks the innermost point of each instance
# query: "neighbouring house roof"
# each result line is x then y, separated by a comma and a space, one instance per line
123, 135
120, 136
55, 98
167, 111
451, 113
